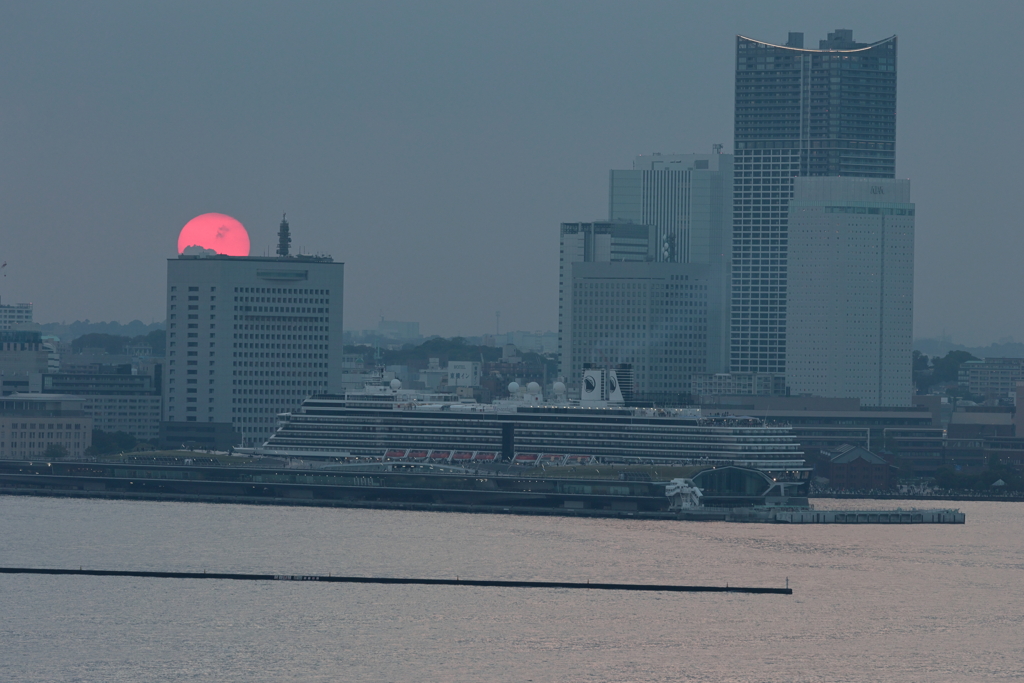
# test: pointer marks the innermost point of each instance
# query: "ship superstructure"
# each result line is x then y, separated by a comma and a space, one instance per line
387, 421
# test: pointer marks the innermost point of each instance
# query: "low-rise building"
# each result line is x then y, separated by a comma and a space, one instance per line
993, 378
434, 377
823, 424
980, 422
31, 423
921, 450
116, 401
854, 468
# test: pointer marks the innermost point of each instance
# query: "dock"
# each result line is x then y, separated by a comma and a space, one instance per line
519, 494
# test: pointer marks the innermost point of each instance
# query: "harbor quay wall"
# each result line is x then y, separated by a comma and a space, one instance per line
409, 491
345, 487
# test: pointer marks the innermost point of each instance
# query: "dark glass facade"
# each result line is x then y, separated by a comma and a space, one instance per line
824, 112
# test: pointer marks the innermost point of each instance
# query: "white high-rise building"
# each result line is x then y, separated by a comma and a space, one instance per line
249, 338
851, 289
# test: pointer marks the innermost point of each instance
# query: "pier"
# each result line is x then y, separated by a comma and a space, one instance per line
490, 493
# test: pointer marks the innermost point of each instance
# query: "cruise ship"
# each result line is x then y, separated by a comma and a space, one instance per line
387, 423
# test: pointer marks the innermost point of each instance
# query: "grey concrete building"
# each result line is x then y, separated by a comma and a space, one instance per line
706, 387
667, 209
116, 401
22, 353
994, 378
651, 316
249, 338
12, 315
30, 423
851, 290
686, 198
597, 242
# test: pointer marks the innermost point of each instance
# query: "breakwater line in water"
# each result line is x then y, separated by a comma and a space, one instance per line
669, 588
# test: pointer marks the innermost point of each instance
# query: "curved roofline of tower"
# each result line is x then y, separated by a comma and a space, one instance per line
804, 49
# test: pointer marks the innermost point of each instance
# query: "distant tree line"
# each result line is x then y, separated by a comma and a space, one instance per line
454, 349
929, 372
115, 344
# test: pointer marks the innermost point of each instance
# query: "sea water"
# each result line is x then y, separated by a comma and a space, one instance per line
869, 603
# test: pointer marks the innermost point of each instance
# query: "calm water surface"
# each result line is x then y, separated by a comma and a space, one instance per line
870, 603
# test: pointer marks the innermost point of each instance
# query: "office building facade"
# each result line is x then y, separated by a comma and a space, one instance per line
249, 338
705, 388
667, 209
686, 198
600, 242
22, 354
12, 315
31, 423
115, 401
799, 112
851, 289
653, 317
996, 379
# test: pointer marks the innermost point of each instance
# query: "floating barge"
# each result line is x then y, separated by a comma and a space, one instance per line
897, 516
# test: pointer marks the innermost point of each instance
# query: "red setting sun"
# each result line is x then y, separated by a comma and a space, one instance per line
223, 234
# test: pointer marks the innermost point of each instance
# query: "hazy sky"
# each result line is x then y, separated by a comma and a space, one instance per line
435, 147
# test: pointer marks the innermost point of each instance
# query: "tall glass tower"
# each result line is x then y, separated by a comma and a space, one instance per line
799, 112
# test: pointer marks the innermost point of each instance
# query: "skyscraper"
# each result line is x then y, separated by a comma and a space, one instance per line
851, 289
687, 199
250, 337
799, 112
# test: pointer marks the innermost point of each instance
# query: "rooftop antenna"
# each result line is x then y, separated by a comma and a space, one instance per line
284, 237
